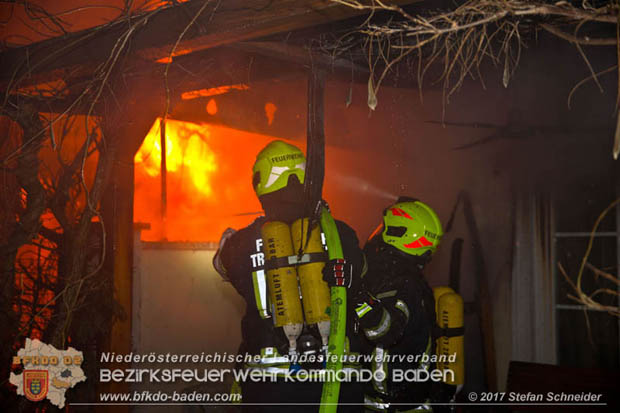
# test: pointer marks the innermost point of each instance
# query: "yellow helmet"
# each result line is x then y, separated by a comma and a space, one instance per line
410, 226
275, 164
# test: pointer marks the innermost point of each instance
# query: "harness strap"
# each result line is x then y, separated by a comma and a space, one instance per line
275, 263
447, 332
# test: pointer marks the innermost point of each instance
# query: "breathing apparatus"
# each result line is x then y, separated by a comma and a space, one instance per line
297, 291
450, 338
294, 254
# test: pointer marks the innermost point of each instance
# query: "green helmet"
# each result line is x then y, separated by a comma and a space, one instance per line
412, 227
274, 166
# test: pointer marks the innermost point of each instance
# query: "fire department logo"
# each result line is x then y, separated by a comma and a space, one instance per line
47, 372
35, 384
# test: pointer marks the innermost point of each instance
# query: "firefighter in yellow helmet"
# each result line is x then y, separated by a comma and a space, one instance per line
245, 259
394, 305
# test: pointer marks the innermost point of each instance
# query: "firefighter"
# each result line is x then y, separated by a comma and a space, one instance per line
278, 177
394, 306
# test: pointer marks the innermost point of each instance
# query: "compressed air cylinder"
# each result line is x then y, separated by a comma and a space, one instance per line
438, 292
450, 315
314, 291
283, 287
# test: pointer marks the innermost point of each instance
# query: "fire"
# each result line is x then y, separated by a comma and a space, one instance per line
186, 152
209, 181
46, 89
214, 91
212, 107
270, 111
169, 59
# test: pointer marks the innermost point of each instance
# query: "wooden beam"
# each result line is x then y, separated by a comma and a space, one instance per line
128, 118
221, 23
208, 69
301, 56
226, 66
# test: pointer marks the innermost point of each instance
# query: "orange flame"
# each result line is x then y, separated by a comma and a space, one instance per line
186, 151
209, 181
212, 107
46, 89
270, 111
169, 59
214, 91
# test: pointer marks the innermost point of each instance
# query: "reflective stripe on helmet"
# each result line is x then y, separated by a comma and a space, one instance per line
274, 174
419, 243
400, 213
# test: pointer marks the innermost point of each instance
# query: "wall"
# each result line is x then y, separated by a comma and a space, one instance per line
182, 306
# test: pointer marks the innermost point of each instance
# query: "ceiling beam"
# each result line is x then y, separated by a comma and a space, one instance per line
203, 70
301, 56
220, 23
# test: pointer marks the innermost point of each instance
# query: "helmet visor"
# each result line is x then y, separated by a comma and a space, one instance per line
270, 178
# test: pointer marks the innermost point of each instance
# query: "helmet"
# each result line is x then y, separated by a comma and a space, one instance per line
410, 226
275, 164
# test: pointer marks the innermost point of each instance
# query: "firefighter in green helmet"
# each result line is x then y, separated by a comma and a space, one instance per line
277, 177
394, 305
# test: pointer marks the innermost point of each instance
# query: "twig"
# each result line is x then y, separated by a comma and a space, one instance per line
601, 273
588, 41
584, 81
462, 38
583, 298
174, 48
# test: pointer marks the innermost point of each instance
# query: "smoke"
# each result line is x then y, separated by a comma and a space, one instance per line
357, 184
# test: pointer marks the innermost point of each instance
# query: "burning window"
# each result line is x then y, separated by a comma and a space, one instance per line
208, 181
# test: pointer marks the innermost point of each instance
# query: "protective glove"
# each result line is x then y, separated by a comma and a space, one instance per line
372, 318
338, 273
367, 308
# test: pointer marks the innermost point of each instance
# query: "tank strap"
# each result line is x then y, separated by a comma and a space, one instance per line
275, 263
447, 332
